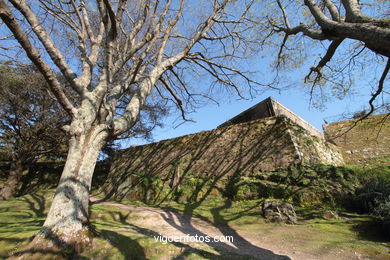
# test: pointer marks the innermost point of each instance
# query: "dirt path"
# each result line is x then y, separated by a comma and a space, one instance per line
279, 243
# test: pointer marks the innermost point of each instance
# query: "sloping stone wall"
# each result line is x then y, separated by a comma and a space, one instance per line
280, 110
261, 110
247, 148
368, 141
267, 108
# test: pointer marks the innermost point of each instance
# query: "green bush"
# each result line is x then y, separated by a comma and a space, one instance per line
374, 188
383, 212
373, 196
247, 191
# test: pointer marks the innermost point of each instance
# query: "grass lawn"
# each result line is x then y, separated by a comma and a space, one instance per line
121, 237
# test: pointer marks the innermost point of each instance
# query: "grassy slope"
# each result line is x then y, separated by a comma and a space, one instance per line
366, 143
120, 238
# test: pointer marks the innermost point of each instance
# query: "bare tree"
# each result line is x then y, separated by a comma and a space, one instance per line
358, 33
116, 55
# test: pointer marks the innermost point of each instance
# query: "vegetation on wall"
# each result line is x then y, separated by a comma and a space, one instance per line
212, 157
303, 185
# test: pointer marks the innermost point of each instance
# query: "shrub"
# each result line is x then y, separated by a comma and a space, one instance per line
373, 196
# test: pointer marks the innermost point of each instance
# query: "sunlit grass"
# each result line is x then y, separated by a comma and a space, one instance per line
119, 238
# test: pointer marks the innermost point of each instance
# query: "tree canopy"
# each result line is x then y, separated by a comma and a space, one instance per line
352, 38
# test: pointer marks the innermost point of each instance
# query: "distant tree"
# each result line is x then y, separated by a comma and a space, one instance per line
118, 56
358, 33
30, 122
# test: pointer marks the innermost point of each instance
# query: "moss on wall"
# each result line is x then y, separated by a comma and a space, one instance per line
304, 185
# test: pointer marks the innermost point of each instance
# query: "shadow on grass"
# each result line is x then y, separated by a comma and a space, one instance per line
50, 250
239, 245
12, 240
36, 204
372, 230
187, 249
310, 213
367, 227
35, 254
130, 249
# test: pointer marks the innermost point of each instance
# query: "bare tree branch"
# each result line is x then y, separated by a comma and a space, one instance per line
47, 41
328, 56
34, 55
377, 38
378, 90
334, 12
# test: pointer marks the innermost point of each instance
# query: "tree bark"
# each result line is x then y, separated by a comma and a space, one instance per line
15, 174
67, 223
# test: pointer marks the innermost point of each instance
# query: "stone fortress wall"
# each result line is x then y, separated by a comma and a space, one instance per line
366, 142
248, 148
264, 138
267, 108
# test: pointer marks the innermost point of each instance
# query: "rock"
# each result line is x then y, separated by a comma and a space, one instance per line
330, 214
279, 211
116, 216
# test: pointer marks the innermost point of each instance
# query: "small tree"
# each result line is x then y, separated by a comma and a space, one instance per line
30, 122
122, 54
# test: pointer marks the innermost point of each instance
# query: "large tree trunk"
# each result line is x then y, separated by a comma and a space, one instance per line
67, 221
15, 174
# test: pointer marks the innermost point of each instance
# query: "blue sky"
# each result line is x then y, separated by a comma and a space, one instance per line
295, 96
